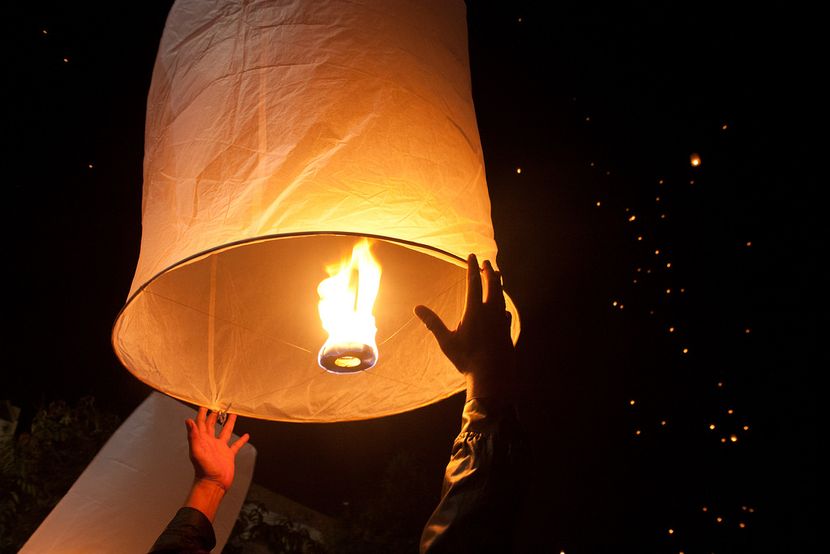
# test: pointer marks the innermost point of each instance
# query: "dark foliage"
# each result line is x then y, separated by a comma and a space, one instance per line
39, 466
258, 531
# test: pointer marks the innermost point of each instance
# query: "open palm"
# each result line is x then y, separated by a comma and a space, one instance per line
211, 455
480, 347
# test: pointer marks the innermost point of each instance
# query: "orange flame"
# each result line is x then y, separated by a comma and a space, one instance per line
347, 298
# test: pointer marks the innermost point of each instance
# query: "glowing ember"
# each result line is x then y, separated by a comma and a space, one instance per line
694, 159
346, 301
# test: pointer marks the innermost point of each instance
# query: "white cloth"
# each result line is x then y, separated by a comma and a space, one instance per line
126, 495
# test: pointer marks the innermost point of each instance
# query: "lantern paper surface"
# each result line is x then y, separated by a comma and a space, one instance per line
277, 135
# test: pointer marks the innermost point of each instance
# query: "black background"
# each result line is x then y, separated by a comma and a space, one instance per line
594, 105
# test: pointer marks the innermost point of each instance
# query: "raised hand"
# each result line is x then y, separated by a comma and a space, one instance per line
211, 456
480, 347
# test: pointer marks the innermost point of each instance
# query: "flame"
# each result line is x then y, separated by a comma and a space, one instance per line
346, 301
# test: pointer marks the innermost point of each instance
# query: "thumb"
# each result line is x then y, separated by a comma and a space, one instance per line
434, 324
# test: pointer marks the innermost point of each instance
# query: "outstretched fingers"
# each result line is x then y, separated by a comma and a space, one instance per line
495, 296
191, 427
210, 425
201, 419
473, 284
240, 442
227, 429
434, 324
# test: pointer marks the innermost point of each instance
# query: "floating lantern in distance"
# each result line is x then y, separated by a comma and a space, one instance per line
278, 137
694, 159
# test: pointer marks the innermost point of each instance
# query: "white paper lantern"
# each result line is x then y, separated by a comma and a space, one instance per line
278, 135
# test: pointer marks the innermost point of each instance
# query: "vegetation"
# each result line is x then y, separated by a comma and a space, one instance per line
39, 466
257, 530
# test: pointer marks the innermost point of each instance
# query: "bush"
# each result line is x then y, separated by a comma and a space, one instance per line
39, 466
259, 530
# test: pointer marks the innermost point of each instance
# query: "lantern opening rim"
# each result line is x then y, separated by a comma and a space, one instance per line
438, 253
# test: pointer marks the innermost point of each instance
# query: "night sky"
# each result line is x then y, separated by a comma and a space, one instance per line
669, 311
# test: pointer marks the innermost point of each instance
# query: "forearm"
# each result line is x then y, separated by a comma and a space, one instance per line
205, 496
495, 389
189, 532
480, 489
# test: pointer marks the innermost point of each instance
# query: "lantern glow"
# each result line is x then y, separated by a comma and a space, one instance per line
346, 301
694, 160
272, 149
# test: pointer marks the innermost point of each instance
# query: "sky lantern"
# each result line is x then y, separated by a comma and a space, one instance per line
694, 159
312, 172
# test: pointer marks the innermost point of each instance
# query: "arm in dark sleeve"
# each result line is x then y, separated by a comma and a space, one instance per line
189, 532
481, 488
